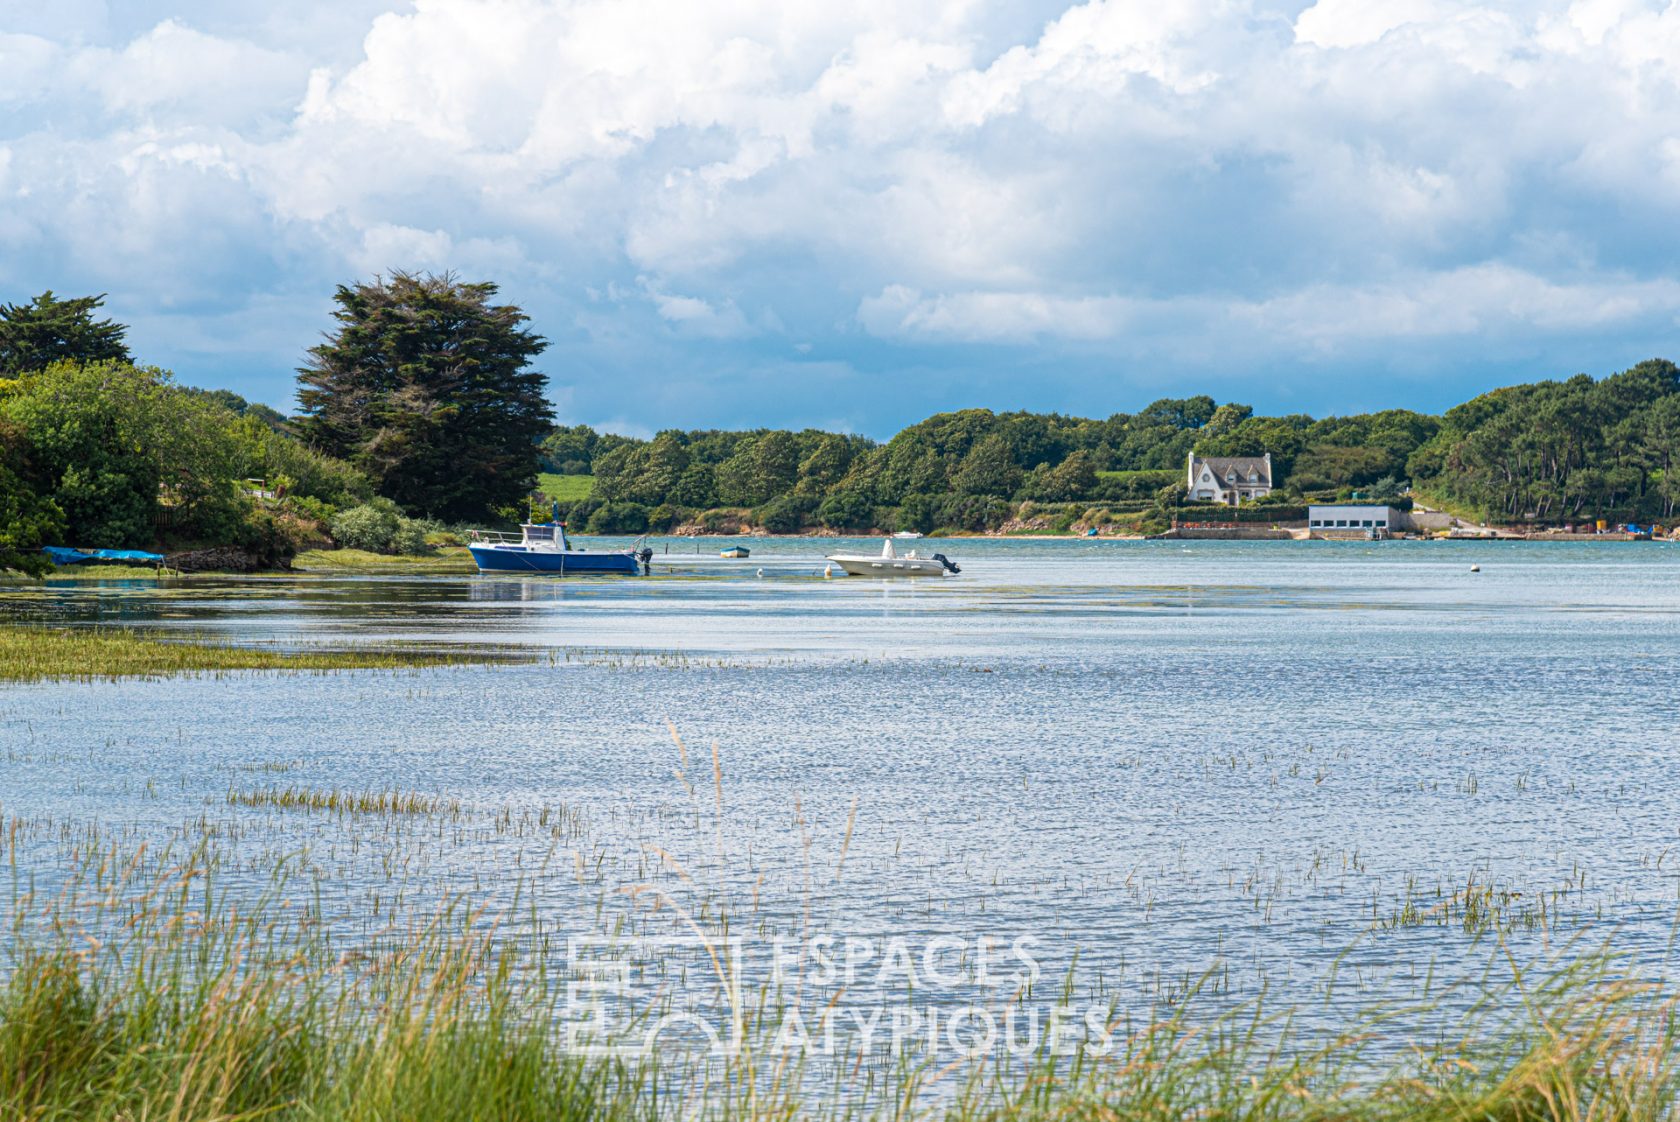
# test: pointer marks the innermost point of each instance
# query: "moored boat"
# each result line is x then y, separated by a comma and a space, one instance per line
735, 551
542, 547
890, 563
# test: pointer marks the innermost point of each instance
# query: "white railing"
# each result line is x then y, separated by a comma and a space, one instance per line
495, 537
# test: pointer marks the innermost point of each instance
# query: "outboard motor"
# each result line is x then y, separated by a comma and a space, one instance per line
950, 566
646, 558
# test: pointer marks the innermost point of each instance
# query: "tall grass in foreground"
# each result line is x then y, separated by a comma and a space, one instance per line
142, 989
29, 654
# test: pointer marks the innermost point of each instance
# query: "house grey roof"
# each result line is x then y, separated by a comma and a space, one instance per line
1242, 465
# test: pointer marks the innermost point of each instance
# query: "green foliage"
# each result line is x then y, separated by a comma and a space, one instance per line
268, 454
46, 330
618, 518
380, 526
424, 386
1120, 486
989, 468
786, 515
1555, 451
113, 443
569, 451
667, 516
28, 520
969, 512
847, 510
270, 539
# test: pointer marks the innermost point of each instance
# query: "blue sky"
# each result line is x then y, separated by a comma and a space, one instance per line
751, 212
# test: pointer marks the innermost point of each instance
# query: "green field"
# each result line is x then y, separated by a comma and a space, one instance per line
565, 488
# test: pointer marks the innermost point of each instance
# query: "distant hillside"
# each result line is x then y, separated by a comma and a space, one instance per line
1548, 451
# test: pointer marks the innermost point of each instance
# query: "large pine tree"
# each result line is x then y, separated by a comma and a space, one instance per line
425, 386
46, 330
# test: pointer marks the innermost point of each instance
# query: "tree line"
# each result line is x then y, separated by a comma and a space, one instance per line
420, 409
1544, 452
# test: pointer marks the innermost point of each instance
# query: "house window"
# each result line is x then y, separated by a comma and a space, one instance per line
1341, 522
1367, 523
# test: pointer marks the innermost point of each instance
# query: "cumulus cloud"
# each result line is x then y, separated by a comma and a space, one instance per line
1147, 180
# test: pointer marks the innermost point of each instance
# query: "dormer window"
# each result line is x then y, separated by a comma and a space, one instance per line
1230, 476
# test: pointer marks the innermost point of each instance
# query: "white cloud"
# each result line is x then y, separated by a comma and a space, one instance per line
919, 169
1484, 301
992, 317
695, 317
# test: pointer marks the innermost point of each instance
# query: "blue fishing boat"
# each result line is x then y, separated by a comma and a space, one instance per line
542, 547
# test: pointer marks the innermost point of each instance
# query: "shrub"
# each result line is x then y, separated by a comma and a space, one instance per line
379, 527
410, 537
720, 521
666, 516
786, 515
370, 526
272, 540
971, 512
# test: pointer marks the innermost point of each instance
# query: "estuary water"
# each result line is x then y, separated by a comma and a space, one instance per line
1330, 772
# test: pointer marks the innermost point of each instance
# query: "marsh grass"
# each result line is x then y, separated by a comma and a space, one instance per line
346, 802
142, 988
1480, 906
445, 560
29, 654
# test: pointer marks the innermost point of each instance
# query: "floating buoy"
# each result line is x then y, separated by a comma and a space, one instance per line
761, 572
828, 572
1475, 568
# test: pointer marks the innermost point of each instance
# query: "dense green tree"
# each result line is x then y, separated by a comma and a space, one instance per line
46, 330
114, 443
988, 469
264, 415
825, 465
289, 467
1553, 451
29, 519
570, 450
425, 385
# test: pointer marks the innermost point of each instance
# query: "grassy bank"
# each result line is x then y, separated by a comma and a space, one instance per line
29, 654
446, 560
145, 990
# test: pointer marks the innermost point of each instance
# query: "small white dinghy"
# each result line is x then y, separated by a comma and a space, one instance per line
888, 563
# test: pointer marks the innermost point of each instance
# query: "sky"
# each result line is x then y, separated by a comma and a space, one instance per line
744, 213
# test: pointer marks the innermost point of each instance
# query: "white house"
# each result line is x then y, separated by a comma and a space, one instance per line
1231, 480
1353, 517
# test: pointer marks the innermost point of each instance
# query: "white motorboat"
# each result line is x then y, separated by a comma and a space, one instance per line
890, 563
907, 534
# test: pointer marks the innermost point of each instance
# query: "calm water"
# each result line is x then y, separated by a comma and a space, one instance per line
1170, 757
